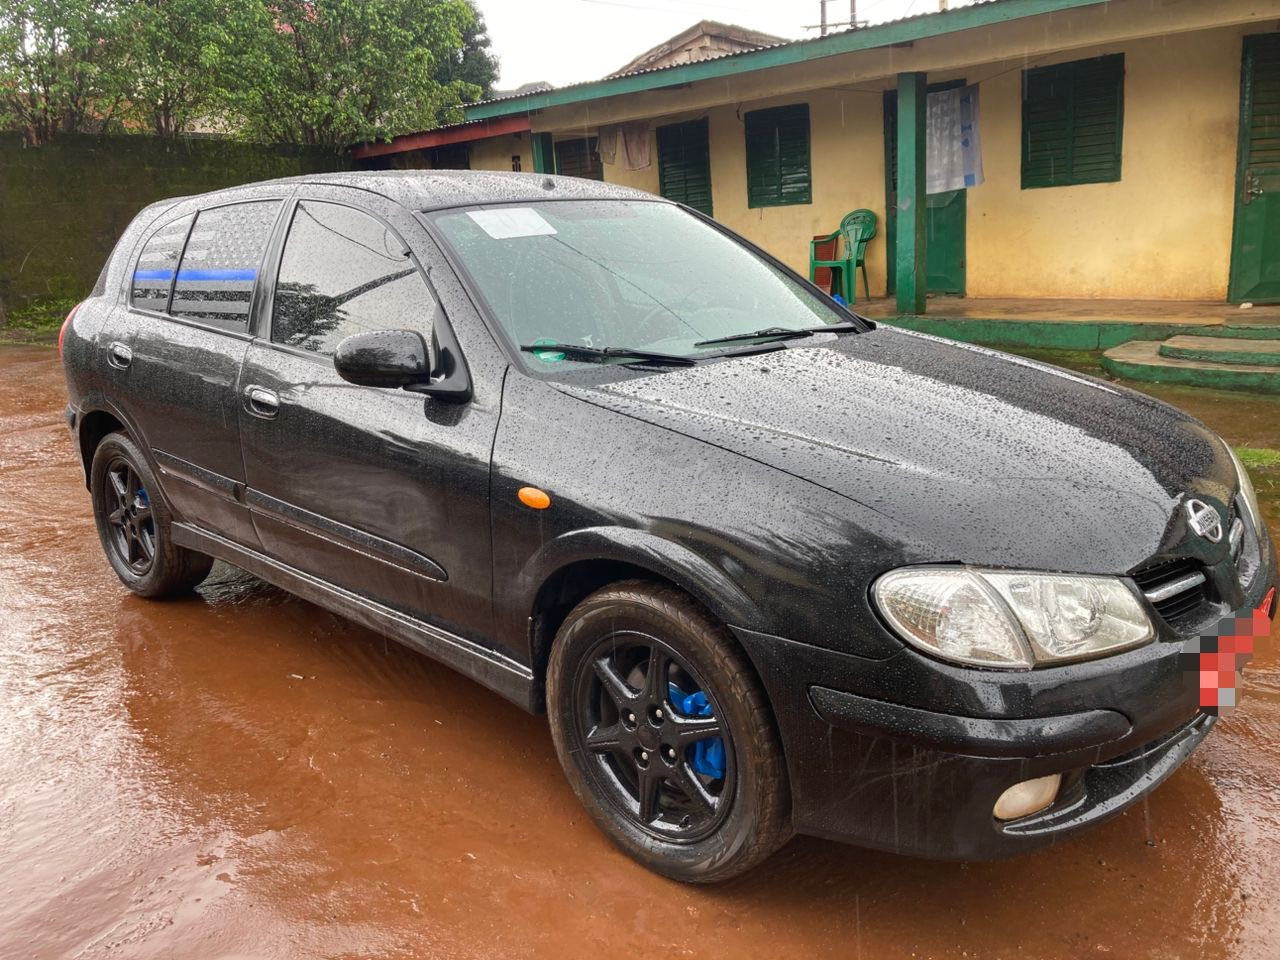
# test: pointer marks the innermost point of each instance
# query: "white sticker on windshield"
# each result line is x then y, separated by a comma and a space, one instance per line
508, 222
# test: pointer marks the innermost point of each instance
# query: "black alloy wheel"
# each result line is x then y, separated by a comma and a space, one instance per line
644, 747
665, 733
133, 529
134, 523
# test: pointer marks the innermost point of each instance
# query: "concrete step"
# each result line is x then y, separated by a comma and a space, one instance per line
1265, 353
1142, 360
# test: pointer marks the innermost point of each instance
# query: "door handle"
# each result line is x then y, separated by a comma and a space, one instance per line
119, 355
1251, 189
261, 402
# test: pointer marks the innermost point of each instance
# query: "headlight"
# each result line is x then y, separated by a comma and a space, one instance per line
1248, 496
997, 618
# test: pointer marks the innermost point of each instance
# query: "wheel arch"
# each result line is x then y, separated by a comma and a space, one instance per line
93, 428
570, 569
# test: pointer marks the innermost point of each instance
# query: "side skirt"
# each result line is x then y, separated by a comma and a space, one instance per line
501, 674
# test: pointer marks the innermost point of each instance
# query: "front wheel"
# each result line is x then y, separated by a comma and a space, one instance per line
665, 734
133, 523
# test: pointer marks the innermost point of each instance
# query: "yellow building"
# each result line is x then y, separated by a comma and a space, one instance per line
1130, 149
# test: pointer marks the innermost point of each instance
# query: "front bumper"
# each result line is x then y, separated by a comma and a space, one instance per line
909, 754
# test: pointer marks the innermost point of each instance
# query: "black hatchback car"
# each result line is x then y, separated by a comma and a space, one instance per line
767, 566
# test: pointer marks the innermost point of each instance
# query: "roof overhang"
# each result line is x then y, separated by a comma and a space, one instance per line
442, 136
882, 35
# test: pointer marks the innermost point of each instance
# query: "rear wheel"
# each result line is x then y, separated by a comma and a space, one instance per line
665, 734
133, 524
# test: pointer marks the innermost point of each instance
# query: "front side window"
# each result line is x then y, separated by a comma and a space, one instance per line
220, 264
1072, 122
345, 272
153, 273
621, 273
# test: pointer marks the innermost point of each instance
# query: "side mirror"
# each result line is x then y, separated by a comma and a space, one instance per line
384, 358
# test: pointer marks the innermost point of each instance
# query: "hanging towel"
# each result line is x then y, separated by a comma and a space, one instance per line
607, 144
953, 152
635, 145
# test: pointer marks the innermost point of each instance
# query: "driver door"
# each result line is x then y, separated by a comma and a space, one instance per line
376, 490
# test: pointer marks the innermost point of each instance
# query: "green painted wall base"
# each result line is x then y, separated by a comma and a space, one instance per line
1066, 334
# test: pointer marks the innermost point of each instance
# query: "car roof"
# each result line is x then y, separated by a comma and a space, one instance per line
437, 189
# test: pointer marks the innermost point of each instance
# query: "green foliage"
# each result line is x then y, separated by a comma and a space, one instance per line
473, 64
336, 72
60, 65
184, 58
38, 321
313, 72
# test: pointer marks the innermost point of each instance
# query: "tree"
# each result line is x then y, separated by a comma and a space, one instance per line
473, 63
337, 72
182, 59
59, 66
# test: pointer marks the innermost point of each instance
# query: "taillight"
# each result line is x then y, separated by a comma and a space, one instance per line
62, 334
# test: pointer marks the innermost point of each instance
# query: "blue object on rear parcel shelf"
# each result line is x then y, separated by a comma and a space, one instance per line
708, 755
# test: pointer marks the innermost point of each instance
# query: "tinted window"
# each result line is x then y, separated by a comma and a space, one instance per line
153, 273
345, 272
220, 265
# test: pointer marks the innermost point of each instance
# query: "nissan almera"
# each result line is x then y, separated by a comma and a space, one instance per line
767, 566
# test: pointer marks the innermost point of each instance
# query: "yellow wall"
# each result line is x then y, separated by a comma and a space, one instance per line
1162, 231
495, 153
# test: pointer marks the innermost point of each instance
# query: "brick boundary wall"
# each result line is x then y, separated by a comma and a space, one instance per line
64, 205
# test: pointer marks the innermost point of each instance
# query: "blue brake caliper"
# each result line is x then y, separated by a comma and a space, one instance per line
146, 502
708, 755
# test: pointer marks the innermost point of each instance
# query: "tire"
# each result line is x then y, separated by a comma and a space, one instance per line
616, 733
134, 522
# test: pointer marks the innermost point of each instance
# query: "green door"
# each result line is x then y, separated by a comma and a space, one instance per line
1255, 245
944, 221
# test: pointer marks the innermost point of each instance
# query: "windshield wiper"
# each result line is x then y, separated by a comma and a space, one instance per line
779, 333
579, 352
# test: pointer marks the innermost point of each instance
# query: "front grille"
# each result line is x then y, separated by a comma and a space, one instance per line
1176, 588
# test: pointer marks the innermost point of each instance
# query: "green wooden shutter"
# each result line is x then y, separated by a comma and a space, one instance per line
778, 170
578, 158
684, 164
1073, 122
1264, 104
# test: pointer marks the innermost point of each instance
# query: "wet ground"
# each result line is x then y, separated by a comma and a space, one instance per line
242, 775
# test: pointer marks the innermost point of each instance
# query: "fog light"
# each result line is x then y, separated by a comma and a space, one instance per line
1027, 797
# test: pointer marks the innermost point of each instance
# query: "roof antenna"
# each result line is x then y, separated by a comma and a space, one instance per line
548, 184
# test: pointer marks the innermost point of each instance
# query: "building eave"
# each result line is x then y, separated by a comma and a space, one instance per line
909, 30
478, 129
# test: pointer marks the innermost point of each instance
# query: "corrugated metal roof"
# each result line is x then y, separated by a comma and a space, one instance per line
931, 14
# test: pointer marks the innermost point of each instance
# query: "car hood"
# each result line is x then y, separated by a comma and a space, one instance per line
950, 451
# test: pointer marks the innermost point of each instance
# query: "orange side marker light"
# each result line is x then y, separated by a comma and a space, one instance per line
535, 498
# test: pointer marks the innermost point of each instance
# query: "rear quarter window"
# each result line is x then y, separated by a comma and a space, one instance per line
154, 270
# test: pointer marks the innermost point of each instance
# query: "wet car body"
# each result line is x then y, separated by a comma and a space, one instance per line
773, 487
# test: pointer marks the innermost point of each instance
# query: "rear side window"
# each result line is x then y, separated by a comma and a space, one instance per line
345, 272
153, 273
220, 264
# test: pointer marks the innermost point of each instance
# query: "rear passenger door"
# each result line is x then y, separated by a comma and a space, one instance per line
377, 490
173, 354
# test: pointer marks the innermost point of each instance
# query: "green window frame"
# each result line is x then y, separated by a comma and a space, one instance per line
1073, 122
778, 167
684, 164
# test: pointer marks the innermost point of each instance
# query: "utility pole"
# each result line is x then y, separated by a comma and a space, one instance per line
822, 25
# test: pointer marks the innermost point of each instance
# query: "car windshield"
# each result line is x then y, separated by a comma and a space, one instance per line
641, 275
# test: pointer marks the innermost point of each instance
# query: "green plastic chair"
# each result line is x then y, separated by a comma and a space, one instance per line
856, 229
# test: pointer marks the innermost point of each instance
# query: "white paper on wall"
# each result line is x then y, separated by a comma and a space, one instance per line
953, 148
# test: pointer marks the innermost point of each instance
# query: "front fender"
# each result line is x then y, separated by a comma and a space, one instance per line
518, 600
